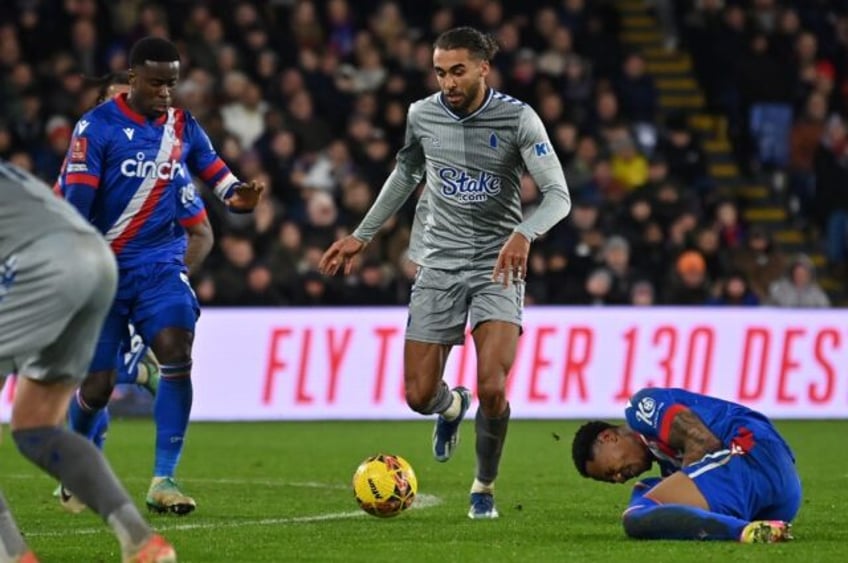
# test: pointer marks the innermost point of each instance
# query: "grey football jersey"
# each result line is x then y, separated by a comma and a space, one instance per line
472, 167
29, 210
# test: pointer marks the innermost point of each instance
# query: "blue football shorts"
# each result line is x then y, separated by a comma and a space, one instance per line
153, 297
760, 484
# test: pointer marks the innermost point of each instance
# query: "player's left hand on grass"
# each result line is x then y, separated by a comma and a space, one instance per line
245, 196
512, 260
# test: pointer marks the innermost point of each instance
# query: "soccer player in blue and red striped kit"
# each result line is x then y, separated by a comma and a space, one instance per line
128, 171
136, 363
727, 474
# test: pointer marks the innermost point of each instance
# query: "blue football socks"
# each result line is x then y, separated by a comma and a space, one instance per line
171, 412
647, 519
84, 419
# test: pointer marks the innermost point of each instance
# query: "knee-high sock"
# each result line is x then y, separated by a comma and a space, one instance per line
171, 411
12, 543
646, 519
491, 434
100, 428
77, 464
84, 419
440, 402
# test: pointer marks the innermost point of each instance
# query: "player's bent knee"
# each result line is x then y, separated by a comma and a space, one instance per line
422, 403
421, 390
491, 392
415, 402
97, 388
491, 389
172, 346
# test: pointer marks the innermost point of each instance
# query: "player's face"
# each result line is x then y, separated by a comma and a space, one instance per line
618, 457
462, 78
152, 85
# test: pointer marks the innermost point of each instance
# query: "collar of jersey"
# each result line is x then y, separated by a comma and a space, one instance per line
489, 93
124, 106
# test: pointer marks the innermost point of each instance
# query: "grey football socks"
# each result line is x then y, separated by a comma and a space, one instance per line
12, 543
441, 401
491, 434
81, 468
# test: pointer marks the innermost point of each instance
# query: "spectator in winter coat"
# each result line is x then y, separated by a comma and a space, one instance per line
799, 287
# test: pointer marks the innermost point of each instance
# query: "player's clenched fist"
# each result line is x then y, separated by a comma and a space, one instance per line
245, 196
340, 253
512, 260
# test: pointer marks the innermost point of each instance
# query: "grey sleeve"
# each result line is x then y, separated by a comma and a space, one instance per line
398, 186
544, 166
821, 298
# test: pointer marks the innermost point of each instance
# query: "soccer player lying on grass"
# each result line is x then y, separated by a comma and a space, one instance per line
726, 472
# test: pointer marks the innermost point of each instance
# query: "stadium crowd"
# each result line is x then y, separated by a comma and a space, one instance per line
312, 96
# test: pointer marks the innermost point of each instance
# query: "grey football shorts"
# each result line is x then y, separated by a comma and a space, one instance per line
56, 294
443, 302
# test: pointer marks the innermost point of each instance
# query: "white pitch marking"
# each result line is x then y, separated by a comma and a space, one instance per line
421, 501
217, 481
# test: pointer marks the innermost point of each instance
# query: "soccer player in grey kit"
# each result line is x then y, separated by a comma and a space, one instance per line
57, 281
471, 145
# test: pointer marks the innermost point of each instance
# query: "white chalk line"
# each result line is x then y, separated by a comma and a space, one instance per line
422, 501
213, 481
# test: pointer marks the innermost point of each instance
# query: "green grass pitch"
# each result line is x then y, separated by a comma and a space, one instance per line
270, 492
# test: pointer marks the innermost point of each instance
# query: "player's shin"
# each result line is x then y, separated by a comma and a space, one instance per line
646, 519
82, 417
77, 464
85, 412
491, 435
100, 428
171, 412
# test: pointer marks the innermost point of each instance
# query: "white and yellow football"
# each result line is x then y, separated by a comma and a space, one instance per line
384, 485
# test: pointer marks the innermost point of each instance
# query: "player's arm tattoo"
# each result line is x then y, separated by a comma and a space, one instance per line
690, 435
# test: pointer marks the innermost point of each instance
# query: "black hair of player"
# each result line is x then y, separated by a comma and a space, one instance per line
582, 449
481, 46
102, 83
153, 49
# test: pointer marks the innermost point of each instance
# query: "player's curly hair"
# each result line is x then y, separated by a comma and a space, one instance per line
102, 83
582, 448
153, 49
480, 45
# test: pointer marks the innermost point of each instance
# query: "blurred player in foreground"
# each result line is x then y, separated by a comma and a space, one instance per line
128, 172
726, 472
57, 281
471, 145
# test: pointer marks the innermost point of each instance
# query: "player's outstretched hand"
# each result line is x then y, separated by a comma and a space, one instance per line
512, 261
341, 253
245, 196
